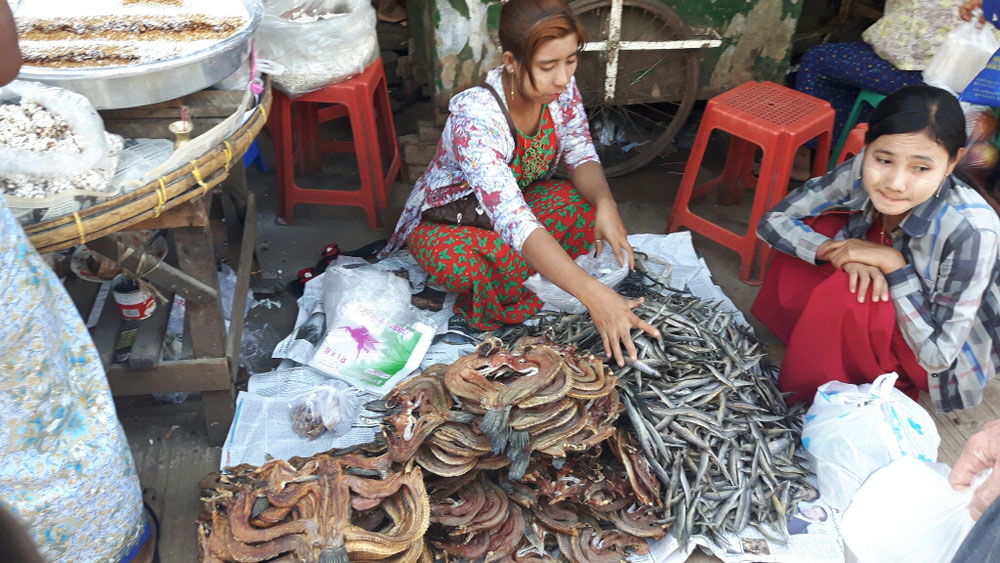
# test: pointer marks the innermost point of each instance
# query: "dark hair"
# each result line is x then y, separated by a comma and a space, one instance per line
526, 24
917, 109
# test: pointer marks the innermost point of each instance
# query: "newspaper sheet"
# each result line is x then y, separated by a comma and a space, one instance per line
813, 537
138, 157
262, 430
688, 271
301, 350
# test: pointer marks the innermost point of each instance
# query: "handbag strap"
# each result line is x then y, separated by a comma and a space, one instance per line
506, 114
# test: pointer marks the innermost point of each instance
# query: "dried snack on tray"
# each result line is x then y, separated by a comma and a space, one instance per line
47, 131
100, 33
34, 198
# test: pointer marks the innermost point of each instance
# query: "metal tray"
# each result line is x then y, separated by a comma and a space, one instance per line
142, 84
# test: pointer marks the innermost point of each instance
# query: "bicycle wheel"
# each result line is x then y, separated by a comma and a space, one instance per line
654, 91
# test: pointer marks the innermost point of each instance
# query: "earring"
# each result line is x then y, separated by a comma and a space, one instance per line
938, 192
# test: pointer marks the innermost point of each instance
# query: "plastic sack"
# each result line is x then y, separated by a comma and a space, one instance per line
374, 336
963, 54
852, 430
242, 78
907, 512
318, 48
985, 87
80, 117
605, 268
322, 409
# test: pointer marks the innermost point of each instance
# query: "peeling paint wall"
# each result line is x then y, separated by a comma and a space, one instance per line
463, 44
761, 34
458, 37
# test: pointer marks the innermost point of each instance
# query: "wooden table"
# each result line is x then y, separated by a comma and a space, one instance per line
211, 353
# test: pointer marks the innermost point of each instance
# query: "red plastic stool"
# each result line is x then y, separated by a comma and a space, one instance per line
294, 124
855, 142
778, 120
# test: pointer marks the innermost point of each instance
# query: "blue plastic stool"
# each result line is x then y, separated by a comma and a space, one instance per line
253, 156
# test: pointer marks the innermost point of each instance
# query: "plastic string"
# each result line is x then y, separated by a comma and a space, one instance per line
161, 197
197, 177
79, 226
228, 151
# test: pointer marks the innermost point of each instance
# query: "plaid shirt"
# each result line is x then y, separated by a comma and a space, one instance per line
946, 297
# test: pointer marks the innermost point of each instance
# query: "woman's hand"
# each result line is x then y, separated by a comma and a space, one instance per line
614, 319
840, 252
609, 228
965, 11
863, 276
981, 452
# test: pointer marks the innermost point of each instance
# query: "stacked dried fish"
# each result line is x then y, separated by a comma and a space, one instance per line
706, 413
524, 448
316, 509
522, 459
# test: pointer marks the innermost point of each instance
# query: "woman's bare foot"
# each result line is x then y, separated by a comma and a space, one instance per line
390, 11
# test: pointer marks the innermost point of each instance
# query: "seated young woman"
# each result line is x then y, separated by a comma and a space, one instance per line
500, 146
889, 263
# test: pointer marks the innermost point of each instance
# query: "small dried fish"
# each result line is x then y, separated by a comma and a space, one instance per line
704, 409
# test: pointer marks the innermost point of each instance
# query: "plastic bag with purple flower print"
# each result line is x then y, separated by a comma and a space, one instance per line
375, 337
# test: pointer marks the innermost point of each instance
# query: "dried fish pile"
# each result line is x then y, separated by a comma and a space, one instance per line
524, 447
315, 509
522, 460
706, 413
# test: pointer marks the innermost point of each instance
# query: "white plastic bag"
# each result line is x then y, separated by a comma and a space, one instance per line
80, 117
605, 268
331, 44
963, 54
324, 408
908, 512
851, 431
374, 336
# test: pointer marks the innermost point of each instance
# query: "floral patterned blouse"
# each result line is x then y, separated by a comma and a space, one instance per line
910, 32
473, 155
534, 153
65, 467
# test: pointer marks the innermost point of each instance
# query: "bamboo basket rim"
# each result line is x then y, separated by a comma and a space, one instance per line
166, 192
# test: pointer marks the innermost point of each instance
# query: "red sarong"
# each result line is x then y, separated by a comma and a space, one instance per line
830, 336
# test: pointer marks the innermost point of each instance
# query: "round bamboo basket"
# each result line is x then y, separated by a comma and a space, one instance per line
184, 184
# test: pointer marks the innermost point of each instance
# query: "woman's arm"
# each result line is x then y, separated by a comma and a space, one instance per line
574, 135
937, 325
589, 180
479, 145
10, 54
783, 227
611, 313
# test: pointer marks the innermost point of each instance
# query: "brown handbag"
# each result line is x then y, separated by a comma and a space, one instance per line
466, 211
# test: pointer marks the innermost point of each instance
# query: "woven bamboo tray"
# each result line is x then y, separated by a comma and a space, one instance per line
181, 185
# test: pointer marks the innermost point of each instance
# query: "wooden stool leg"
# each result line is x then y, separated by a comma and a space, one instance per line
207, 328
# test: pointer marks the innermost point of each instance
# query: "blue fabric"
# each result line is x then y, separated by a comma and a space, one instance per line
838, 72
983, 541
67, 472
140, 543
